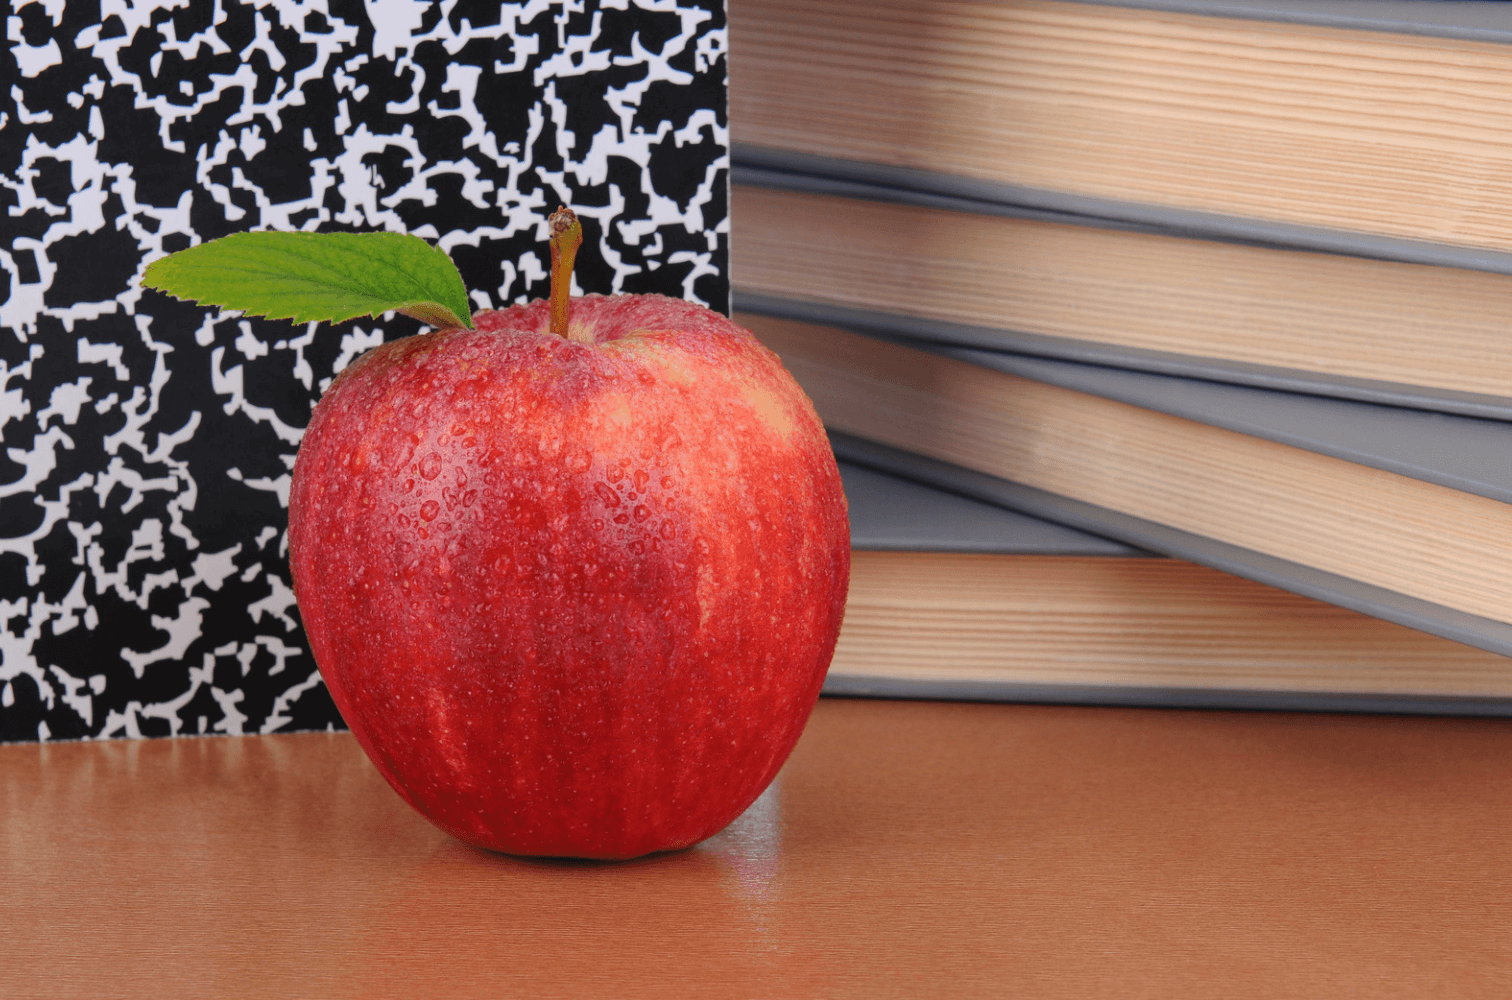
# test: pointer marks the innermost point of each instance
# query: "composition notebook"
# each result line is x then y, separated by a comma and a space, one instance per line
144, 588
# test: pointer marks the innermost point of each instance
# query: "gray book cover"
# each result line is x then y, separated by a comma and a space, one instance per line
1461, 453
902, 501
1465, 20
759, 165
1471, 20
892, 514
1378, 602
803, 174
1469, 454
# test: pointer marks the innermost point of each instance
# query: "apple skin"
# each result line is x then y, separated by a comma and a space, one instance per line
574, 598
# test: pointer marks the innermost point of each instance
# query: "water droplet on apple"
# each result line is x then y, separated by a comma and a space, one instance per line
642, 477
638, 547
430, 466
405, 451
606, 493
642, 512
615, 473
668, 530
429, 510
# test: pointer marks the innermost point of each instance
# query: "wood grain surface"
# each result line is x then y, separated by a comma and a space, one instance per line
909, 849
1327, 313
1371, 131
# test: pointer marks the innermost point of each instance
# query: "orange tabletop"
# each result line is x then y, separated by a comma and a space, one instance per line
909, 849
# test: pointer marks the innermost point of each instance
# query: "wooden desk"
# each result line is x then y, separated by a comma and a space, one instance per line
909, 850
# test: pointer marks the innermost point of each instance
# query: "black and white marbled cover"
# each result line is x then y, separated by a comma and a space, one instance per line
144, 588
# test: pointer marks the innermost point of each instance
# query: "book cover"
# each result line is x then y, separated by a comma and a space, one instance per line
902, 262
1399, 514
1472, 20
144, 589
1330, 131
956, 597
890, 513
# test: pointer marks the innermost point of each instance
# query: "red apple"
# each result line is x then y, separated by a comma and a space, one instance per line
574, 596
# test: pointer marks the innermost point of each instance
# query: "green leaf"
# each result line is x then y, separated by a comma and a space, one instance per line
318, 277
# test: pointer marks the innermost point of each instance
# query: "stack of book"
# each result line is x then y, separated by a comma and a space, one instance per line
1221, 282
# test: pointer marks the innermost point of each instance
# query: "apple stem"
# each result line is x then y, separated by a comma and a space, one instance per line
566, 237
